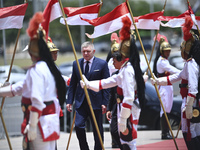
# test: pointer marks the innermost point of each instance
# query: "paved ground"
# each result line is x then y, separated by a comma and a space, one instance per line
144, 137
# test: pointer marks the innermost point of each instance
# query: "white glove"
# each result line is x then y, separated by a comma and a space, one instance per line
31, 128
160, 81
189, 104
4, 84
6, 91
145, 77
122, 121
92, 85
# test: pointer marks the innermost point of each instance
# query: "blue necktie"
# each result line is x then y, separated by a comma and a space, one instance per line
87, 67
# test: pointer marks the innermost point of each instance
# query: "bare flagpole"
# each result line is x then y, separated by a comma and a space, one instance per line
85, 89
151, 72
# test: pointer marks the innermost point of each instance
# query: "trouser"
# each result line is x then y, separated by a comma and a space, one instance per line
193, 144
164, 125
82, 114
114, 127
38, 143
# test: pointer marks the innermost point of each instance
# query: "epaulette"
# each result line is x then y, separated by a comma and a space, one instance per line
189, 59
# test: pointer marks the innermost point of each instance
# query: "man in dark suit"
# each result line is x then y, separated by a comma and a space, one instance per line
94, 69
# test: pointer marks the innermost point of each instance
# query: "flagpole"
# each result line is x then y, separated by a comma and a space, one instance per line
71, 130
155, 39
101, 1
85, 89
195, 23
151, 73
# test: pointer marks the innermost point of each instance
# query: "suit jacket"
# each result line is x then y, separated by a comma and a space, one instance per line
99, 70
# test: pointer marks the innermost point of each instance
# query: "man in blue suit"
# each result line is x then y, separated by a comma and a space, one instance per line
94, 69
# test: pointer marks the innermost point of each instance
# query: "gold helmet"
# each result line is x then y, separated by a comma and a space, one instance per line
33, 31
164, 45
125, 37
186, 45
115, 42
188, 36
51, 45
125, 48
114, 46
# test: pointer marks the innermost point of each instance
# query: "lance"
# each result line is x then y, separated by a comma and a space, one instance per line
80, 72
179, 127
194, 23
155, 85
71, 130
155, 40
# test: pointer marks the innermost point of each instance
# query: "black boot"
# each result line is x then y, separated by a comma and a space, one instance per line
195, 143
81, 135
188, 143
126, 147
165, 128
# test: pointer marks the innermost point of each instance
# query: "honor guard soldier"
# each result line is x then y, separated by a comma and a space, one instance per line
163, 68
43, 91
189, 87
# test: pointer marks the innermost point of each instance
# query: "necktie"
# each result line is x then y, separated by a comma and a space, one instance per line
87, 67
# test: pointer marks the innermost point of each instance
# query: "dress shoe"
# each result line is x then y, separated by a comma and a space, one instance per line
166, 136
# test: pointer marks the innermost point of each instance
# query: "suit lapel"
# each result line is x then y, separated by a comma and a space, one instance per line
81, 65
94, 64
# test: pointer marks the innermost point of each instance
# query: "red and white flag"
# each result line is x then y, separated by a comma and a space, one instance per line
112, 21
50, 13
173, 21
12, 17
109, 22
178, 21
149, 21
192, 14
74, 13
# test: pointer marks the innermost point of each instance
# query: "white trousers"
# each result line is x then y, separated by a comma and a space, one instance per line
38, 143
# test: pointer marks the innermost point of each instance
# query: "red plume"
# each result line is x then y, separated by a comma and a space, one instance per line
125, 30
187, 26
159, 36
114, 36
34, 24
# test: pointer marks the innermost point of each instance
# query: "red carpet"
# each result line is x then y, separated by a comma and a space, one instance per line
164, 145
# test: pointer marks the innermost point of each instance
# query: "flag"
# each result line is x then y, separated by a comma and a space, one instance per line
159, 36
74, 13
192, 14
112, 21
148, 21
109, 22
173, 21
12, 17
178, 21
50, 13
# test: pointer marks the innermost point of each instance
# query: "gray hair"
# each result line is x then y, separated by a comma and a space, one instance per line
86, 44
